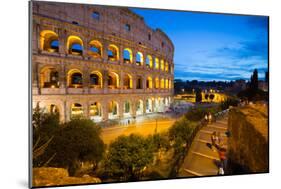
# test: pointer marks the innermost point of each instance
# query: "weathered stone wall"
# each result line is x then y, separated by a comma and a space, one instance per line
248, 141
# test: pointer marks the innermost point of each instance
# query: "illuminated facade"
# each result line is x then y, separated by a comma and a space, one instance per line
99, 62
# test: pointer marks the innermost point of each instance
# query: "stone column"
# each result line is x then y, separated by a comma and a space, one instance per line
133, 109
121, 48
144, 106
105, 81
86, 80
104, 49
67, 110
86, 112
120, 109
104, 109
121, 81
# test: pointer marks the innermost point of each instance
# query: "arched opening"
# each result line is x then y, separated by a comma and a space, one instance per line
148, 61
166, 67
139, 82
112, 52
74, 45
76, 110
95, 49
96, 80
139, 58
127, 109
162, 83
49, 78
161, 104
95, 112
166, 83
75, 79
53, 109
156, 63
128, 81
127, 55
112, 110
113, 80
148, 106
162, 65
149, 83
166, 102
156, 83
139, 107
49, 41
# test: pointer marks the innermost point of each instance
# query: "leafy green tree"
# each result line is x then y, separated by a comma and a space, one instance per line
77, 141
128, 156
180, 133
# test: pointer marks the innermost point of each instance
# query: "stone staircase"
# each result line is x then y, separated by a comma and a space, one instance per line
201, 160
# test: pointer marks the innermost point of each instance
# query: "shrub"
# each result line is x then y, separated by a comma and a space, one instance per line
77, 141
128, 156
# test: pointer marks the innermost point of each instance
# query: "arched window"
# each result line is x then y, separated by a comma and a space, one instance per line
49, 41
148, 61
76, 110
139, 58
96, 79
75, 79
166, 83
162, 65
127, 107
113, 80
49, 78
149, 83
95, 49
95, 109
139, 107
148, 105
156, 63
74, 45
53, 109
128, 81
166, 67
139, 82
112, 53
127, 55
156, 83
162, 83
112, 110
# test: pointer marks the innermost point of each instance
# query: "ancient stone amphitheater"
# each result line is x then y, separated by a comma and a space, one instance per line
99, 62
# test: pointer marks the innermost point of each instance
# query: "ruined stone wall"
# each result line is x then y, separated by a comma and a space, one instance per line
248, 141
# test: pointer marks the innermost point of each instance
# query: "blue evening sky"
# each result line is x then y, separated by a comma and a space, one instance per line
213, 46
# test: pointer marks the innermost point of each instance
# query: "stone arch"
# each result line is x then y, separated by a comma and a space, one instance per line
112, 52
95, 111
156, 83
139, 107
139, 58
148, 61
113, 80
149, 82
95, 49
76, 110
127, 108
49, 77
139, 83
74, 78
113, 110
162, 83
148, 105
96, 79
127, 55
162, 65
166, 83
49, 41
127, 81
74, 45
156, 63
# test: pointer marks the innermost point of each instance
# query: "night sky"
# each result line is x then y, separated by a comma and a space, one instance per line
213, 46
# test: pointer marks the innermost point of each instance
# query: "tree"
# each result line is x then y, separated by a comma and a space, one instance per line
198, 97
254, 80
212, 96
180, 133
77, 141
128, 156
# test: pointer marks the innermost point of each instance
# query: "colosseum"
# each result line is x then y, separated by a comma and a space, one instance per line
100, 62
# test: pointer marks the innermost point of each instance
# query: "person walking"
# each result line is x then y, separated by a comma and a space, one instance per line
222, 156
206, 118
210, 117
213, 139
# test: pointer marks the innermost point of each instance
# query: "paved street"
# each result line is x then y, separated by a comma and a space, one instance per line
201, 159
144, 128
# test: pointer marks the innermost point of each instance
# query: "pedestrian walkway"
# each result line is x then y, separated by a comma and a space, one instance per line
201, 160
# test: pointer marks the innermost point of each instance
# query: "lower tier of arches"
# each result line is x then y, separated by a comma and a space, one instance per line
102, 107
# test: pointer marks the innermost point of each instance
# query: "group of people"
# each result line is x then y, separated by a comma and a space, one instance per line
217, 145
208, 117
